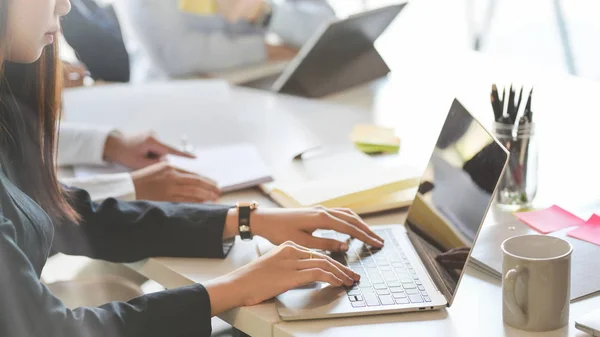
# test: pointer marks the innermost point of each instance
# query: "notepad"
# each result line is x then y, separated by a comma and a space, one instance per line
590, 231
550, 219
200, 7
374, 139
347, 179
232, 167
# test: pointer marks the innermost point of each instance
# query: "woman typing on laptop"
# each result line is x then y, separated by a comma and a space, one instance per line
37, 215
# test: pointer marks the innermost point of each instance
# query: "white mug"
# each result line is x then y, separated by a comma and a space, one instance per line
536, 286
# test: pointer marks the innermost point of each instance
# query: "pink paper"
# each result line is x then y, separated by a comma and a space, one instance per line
550, 219
589, 232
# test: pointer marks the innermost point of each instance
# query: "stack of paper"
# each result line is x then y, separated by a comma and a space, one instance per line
375, 139
200, 7
348, 179
232, 167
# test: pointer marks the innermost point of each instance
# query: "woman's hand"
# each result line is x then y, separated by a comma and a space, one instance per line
279, 225
286, 267
138, 151
163, 182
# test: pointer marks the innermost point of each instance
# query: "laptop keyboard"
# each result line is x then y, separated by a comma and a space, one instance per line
387, 278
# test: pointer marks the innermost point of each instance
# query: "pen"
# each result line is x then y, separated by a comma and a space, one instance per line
496, 105
528, 111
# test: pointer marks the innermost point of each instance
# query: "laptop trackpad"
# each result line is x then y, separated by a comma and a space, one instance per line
317, 298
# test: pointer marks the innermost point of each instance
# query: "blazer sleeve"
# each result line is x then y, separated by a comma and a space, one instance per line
27, 307
120, 231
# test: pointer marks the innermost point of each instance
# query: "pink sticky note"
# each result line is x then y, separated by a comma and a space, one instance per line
589, 232
550, 219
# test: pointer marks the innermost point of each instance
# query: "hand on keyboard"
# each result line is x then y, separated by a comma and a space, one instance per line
298, 225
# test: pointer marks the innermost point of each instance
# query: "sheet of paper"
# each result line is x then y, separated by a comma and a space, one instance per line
232, 167
550, 219
590, 231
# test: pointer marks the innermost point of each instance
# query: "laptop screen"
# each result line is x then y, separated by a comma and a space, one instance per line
454, 195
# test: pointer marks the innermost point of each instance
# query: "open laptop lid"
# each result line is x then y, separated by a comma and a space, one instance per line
454, 196
339, 56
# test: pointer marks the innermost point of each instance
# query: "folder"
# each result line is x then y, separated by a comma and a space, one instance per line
200, 7
348, 180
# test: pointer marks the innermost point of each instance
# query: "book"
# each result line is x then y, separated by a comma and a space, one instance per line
348, 180
232, 167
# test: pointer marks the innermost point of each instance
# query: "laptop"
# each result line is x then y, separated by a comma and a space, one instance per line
340, 55
422, 262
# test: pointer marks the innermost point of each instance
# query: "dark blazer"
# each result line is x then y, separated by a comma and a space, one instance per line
113, 230
95, 35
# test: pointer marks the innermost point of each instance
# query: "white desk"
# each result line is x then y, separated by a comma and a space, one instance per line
279, 126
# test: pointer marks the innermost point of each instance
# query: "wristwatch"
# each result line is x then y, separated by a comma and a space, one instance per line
244, 209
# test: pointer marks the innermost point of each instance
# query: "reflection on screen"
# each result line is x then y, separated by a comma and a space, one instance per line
454, 195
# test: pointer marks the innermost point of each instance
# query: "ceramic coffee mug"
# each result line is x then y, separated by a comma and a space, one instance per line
536, 286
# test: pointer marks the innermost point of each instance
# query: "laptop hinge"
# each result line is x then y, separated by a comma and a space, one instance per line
428, 252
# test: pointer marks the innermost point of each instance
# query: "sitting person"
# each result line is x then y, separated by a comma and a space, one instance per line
38, 215
153, 178
164, 41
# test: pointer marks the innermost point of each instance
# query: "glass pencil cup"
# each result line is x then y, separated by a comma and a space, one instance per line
518, 185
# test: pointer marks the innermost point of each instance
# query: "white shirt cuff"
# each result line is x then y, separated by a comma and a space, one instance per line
82, 144
104, 186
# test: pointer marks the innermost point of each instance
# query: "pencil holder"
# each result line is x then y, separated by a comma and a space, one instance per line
518, 185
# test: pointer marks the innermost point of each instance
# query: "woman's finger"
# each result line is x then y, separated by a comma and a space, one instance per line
327, 266
306, 254
156, 146
193, 180
353, 218
308, 276
330, 221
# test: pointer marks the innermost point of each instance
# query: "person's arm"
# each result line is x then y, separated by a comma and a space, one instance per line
296, 21
120, 231
82, 144
95, 35
186, 44
27, 307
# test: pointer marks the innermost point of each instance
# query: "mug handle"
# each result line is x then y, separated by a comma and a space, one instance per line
510, 298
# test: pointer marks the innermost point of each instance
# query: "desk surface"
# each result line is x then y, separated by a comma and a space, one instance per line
414, 101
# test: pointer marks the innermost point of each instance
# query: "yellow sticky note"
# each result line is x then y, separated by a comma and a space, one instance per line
373, 138
200, 7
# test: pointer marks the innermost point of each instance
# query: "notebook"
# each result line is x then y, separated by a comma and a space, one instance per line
375, 139
232, 167
347, 179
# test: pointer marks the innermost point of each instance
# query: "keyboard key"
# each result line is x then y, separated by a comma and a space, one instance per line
386, 300
380, 286
372, 300
394, 284
398, 265
358, 304
412, 271
401, 301
368, 291
396, 289
415, 277
412, 291
364, 284
385, 268
399, 295
424, 293
353, 292
409, 286
415, 298
376, 279
383, 292
421, 288
358, 297
352, 298
418, 282
427, 299
406, 280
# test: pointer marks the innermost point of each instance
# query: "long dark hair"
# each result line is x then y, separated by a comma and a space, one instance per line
37, 87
